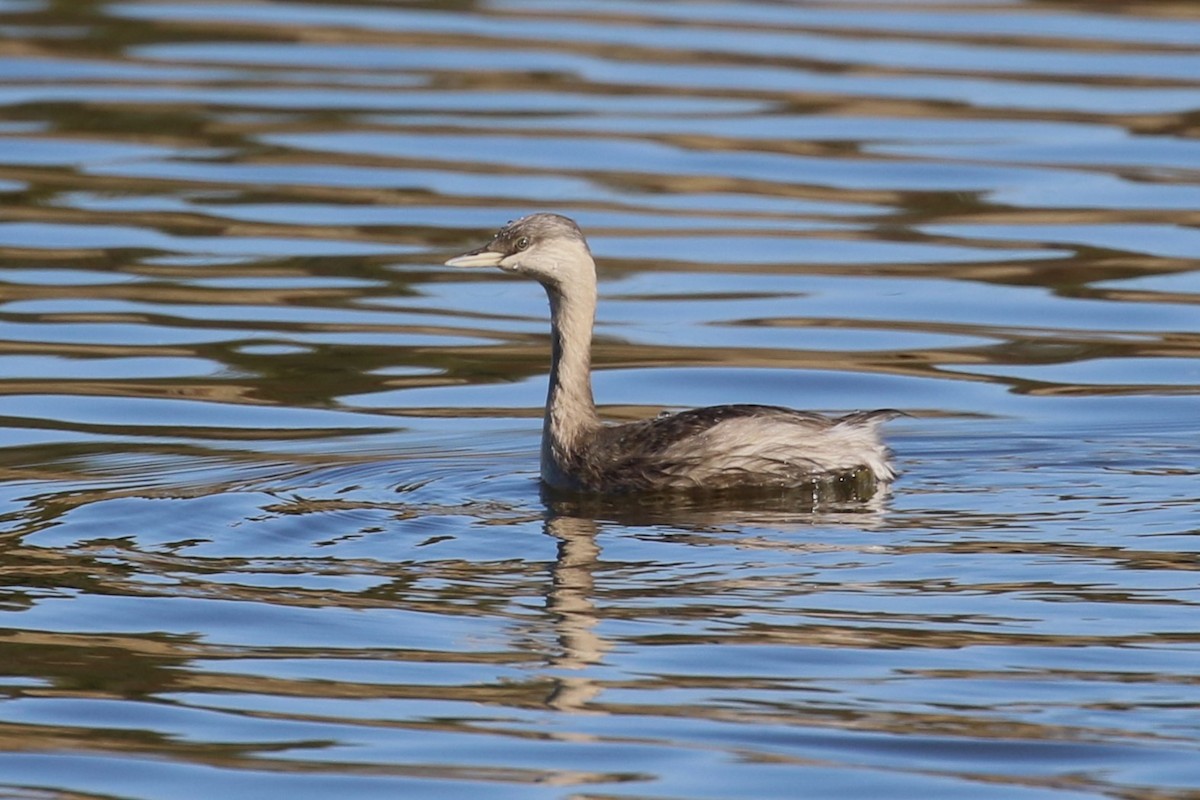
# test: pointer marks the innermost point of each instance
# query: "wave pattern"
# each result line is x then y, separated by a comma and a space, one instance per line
270, 521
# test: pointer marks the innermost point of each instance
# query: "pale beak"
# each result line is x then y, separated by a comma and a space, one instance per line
477, 258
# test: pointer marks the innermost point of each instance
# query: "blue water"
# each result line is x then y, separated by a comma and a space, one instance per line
270, 522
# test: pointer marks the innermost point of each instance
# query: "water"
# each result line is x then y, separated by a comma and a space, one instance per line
270, 519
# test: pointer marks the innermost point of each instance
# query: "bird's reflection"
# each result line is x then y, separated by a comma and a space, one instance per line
572, 585
570, 603
575, 522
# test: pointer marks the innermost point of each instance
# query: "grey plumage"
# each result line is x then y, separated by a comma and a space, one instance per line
707, 449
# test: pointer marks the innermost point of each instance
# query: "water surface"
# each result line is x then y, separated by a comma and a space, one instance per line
270, 520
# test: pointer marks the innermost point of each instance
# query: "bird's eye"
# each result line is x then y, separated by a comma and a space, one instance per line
523, 242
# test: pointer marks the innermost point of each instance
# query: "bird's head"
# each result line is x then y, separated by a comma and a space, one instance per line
547, 247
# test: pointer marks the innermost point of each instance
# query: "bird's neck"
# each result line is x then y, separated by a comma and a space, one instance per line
570, 406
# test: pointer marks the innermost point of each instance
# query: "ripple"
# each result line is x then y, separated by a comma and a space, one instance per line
1167, 241
60, 235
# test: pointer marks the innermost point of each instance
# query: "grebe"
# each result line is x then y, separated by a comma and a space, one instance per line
707, 449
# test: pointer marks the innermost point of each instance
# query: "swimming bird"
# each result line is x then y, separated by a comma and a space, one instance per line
707, 449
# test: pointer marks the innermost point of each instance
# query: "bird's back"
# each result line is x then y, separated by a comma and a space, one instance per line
726, 447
